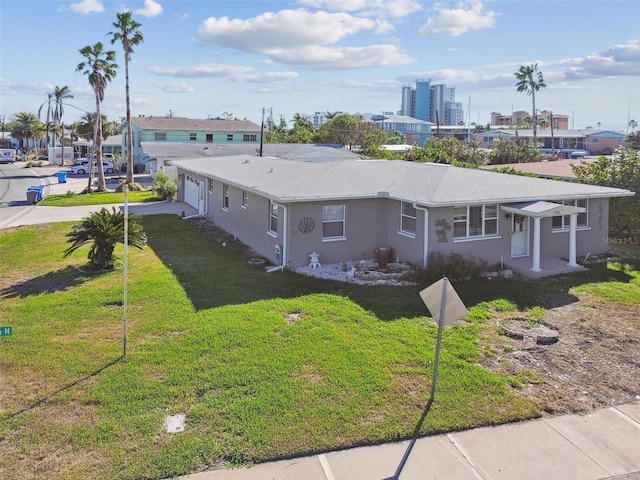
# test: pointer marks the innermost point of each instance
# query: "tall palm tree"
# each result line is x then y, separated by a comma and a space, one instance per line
100, 67
530, 80
60, 94
49, 112
127, 32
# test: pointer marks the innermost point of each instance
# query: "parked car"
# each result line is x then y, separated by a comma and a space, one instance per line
106, 157
82, 169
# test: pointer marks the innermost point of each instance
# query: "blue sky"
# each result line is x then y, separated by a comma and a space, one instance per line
205, 57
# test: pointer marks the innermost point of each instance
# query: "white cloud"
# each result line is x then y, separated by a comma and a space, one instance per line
173, 87
272, 31
85, 7
183, 16
235, 73
617, 60
151, 9
468, 15
342, 58
377, 8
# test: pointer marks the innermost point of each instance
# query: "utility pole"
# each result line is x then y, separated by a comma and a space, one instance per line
262, 131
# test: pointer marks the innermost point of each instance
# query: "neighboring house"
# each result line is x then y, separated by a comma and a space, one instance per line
415, 131
596, 142
169, 129
161, 154
344, 210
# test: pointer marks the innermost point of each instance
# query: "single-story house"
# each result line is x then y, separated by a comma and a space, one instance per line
596, 142
343, 210
161, 154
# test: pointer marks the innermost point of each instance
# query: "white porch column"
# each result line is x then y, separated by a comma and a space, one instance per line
573, 223
536, 245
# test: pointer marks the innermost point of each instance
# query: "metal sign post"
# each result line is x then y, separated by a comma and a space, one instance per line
443, 302
126, 268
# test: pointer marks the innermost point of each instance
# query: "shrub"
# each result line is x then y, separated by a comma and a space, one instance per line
164, 186
455, 267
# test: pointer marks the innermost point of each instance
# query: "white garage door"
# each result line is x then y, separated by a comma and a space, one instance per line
191, 188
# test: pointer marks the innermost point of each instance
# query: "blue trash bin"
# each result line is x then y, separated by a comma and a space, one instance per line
38, 189
62, 177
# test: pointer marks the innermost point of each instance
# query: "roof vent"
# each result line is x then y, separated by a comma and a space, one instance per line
246, 160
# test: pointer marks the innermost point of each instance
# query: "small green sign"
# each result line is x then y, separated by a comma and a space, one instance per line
4, 331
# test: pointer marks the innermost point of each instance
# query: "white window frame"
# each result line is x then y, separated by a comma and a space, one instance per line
273, 218
160, 136
193, 136
564, 219
245, 199
466, 220
406, 217
326, 220
229, 137
225, 197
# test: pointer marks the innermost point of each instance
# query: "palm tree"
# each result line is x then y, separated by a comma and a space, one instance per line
49, 111
530, 80
633, 124
105, 229
25, 127
100, 67
60, 94
127, 32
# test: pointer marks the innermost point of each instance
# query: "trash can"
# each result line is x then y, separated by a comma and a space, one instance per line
62, 177
32, 197
38, 189
382, 255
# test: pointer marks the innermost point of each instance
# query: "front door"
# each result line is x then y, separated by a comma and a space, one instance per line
519, 236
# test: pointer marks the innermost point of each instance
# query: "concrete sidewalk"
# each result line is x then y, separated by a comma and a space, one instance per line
35, 214
604, 444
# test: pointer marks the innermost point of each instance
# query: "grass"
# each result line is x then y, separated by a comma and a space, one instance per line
99, 198
263, 365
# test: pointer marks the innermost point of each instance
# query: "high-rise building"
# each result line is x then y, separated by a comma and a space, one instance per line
432, 103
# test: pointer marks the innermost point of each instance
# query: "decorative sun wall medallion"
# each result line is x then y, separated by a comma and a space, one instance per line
306, 225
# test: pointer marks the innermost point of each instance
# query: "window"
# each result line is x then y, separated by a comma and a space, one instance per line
333, 222
245, 199
193, 136
475, 221
160, 135
211, 185
273, 218
229, 137
250, 137
561, 222
209, 138
408, 219
225, 197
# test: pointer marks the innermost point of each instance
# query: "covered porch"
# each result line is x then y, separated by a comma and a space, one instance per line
532, 264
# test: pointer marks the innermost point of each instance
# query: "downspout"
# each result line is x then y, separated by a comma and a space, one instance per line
425, 251
285, 226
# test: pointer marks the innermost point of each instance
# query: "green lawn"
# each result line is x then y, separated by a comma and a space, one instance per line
263, 365
100, 198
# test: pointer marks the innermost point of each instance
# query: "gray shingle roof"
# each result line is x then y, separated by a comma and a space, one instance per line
289, 151
426, 184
